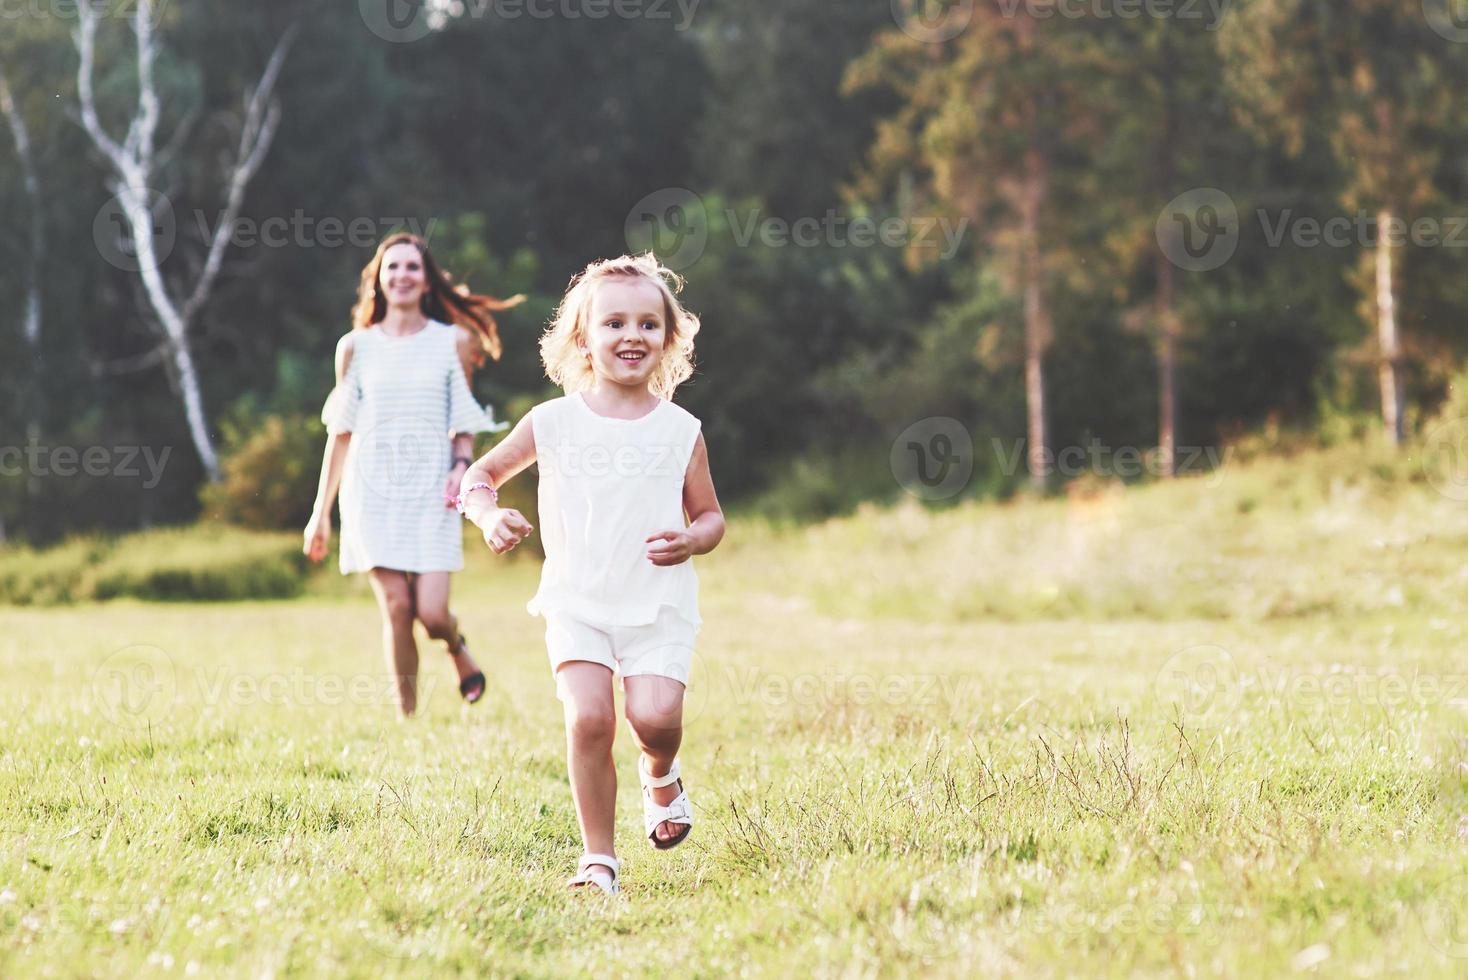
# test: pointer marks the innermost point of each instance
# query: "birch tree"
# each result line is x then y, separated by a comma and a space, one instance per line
133, 165
1383, 87
36, 242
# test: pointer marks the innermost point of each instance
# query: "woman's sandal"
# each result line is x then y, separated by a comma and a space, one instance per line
591, 872
680, 811
474, 680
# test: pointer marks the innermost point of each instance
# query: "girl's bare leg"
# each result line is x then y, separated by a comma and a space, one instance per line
591, 725
431, 605
655, 715
395, 600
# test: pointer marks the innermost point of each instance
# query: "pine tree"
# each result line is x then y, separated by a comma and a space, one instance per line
995, 122
1379, 83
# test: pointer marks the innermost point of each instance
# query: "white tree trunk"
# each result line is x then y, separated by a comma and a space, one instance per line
35, 260
1037, 319
1389, 370
132, 163
1167, 331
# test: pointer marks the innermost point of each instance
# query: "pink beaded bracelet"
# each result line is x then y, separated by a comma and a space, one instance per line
459, 500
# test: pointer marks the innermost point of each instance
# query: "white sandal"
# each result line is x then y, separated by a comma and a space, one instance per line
680, 811
590, 873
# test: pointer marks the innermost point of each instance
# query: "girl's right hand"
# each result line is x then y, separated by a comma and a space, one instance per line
318, 537
504, 529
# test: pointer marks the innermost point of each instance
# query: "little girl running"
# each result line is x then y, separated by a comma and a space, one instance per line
620, 466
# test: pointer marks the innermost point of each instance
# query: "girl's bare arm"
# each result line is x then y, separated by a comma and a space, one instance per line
705, 518
497, 467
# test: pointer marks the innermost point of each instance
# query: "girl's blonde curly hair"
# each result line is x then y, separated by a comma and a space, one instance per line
560, 344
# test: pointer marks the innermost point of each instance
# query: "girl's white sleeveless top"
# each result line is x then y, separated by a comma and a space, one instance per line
606, 485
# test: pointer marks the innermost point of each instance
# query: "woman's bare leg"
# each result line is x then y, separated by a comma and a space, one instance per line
431, 605
395, 600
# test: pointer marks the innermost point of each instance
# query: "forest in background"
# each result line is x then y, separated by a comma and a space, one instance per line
1059, 189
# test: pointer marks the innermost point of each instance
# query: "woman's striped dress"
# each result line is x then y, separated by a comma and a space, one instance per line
402, 399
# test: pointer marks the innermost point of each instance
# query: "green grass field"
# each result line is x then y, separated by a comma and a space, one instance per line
1212, 728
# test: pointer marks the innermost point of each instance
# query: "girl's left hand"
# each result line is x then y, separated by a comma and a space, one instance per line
678, 547
451, 486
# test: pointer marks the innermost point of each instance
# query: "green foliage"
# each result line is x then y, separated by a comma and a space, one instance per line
62, 574
813, 487
270, 474
203, 563
811, 356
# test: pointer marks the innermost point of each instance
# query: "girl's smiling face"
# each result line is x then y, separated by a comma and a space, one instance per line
402, 279
626, 331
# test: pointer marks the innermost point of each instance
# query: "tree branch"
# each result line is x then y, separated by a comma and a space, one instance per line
262, 116
85, 38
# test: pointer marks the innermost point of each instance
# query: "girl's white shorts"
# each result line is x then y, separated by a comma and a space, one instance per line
663, 648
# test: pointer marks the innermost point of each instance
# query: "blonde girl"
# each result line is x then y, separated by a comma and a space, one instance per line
625, 501
401, 424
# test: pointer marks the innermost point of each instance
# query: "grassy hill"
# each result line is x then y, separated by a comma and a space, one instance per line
1217, 727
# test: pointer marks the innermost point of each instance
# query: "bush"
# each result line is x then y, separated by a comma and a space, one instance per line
817, 487
204, 563
54, 576
270, 474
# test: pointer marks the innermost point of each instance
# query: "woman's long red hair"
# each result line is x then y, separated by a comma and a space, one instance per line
442, 299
